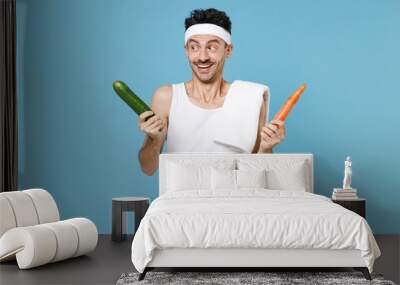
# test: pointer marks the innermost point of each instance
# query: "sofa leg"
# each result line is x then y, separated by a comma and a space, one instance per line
143, 274
364, 271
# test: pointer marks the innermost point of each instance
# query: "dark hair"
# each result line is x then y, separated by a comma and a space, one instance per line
208, 16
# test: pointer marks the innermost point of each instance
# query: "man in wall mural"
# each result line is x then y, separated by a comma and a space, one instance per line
207, 113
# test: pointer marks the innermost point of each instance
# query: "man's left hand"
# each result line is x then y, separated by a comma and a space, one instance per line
271, 135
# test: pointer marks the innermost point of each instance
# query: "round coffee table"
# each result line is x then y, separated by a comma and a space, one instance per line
120, 206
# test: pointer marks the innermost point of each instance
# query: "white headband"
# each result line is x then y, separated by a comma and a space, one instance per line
208, 29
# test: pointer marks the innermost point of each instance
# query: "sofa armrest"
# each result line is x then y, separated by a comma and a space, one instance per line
40, 244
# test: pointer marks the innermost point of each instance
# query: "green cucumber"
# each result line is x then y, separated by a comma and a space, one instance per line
131, 98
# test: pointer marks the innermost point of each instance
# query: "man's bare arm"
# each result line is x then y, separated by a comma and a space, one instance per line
153, 144
148, 155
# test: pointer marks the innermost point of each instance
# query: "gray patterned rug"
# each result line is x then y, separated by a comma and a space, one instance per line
230, 278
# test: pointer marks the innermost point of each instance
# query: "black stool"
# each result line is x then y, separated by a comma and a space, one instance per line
120, 206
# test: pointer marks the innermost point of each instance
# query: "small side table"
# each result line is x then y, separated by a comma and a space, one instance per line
356, 205
120, 206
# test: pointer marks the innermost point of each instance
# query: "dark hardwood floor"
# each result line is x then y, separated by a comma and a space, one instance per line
111, 259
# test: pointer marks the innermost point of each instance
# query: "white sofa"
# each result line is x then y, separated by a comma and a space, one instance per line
31, 231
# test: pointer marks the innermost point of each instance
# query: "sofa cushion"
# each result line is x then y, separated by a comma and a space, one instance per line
23, 208
26, 208
46, 207
40, 244
7, 220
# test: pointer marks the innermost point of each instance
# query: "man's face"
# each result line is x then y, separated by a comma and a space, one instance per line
207, 54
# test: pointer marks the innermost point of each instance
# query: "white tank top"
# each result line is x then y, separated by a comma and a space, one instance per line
190, 127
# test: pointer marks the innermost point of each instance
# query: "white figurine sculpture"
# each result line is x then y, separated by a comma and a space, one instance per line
347, 173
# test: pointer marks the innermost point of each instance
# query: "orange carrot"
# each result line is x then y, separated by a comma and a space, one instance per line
289, 104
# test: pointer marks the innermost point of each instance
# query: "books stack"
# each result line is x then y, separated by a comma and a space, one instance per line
344, 194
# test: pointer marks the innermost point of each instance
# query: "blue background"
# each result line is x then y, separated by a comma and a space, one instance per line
81, 142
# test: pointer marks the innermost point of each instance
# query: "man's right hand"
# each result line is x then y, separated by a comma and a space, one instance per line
155, 127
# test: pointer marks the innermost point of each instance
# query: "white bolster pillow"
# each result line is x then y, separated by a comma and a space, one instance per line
40, 244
